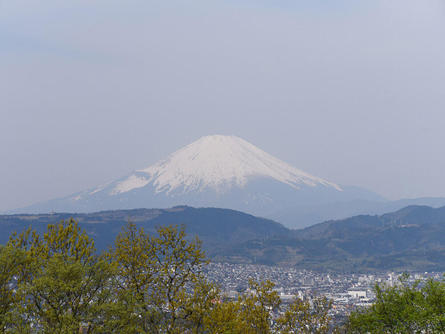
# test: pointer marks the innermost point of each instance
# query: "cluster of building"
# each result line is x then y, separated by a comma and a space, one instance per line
347, 291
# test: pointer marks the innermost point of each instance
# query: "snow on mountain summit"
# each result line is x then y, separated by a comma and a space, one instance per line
217, 162
223, 172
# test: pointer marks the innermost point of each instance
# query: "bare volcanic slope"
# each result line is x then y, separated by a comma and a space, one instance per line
218, 171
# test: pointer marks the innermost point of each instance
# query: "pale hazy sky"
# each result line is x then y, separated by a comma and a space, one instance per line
351, 91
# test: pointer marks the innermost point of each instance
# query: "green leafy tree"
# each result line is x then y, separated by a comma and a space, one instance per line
159, 280
225, 318
302, 317
403, 308
134, 258
199, 305
256, 307
144, 284
10, 261
62, 284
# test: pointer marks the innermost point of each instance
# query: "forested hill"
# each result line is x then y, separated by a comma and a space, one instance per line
215, 227
410, 239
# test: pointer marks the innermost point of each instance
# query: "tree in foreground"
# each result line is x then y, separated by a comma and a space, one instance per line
10, 261
404, 308
161, 288
144, 284
61, 283
257, 307
302, 317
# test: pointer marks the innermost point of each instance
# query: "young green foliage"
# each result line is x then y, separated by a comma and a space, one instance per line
61, 282
301, 317
144, 284
256, 307
403, 309
159, 276
224, 318
10, 261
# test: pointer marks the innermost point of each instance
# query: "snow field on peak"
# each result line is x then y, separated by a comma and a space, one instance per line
132, 182
217, 162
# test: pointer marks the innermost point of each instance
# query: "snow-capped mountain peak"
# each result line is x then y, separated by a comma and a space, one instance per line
217, 162
225, 172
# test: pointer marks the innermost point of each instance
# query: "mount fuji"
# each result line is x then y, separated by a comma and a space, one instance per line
222, 171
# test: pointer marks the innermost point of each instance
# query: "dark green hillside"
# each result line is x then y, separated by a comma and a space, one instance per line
217, 228
411, 228
410, 239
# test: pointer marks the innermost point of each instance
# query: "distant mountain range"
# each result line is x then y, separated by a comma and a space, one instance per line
229, 172
409, 239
